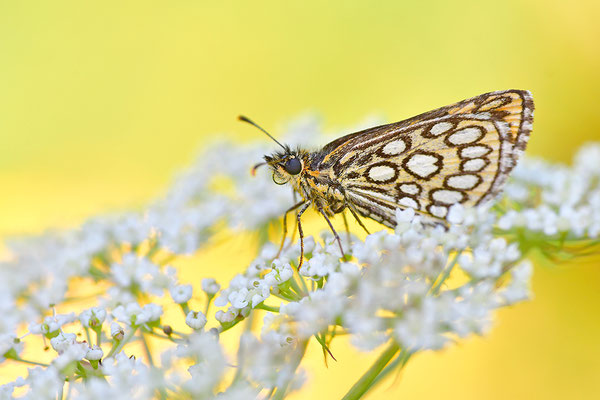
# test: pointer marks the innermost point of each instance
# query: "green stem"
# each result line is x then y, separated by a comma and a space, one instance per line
302, 281
122, 343
98, 336
265, 307
240, 353
227, 326
180, 334
364, 383
87, 334
29, 362
147, 349
185, 308
210, 297
296, 288
445, 274
164, 337
289, 295
401, 360
295, 362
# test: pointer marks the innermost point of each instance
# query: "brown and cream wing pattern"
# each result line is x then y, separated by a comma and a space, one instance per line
460, 153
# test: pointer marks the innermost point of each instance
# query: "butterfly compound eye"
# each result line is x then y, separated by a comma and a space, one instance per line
293, 166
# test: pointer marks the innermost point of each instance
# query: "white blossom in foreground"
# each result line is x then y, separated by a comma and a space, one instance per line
195, 320
396, 292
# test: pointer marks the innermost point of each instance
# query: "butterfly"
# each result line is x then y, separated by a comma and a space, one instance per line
461, 153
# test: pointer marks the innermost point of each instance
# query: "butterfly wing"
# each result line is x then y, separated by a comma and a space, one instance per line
460, 153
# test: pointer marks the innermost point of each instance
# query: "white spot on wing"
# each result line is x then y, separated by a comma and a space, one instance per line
465, 136
440, 128
422, 165
408, 202
381, 173
447, 196
409, 188
474, 151
474, 165
394, 148
467, 181
438, 211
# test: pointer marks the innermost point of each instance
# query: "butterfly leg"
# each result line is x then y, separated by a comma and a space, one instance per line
294, 195
332, 230
347, 227
292, 208
355, 215
306, 205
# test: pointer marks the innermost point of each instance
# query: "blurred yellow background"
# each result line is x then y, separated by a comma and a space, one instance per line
101, 103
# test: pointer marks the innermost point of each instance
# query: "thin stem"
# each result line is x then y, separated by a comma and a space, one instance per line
302, 281
122, 343
210, 297
364, 383
147, 349
402, 359
87, 334
227, 326
29, 362
240, 353
295, 362
158, 335
98, 337
180, 334
445, 274
185, 308
296, 288
265, 307
289, 295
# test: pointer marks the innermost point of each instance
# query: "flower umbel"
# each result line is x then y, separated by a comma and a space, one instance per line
398, 289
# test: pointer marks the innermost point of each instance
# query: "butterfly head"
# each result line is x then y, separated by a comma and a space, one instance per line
286, 165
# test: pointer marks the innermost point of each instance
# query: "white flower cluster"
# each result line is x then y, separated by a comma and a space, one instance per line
555, 199
217, 188
416, 288
393, 287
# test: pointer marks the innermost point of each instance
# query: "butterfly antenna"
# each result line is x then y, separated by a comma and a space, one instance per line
248, 120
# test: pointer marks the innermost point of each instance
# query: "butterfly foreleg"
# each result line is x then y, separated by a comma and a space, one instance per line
292, 208
298, 216
332, 230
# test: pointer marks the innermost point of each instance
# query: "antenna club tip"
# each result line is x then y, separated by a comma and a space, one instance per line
248, 120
